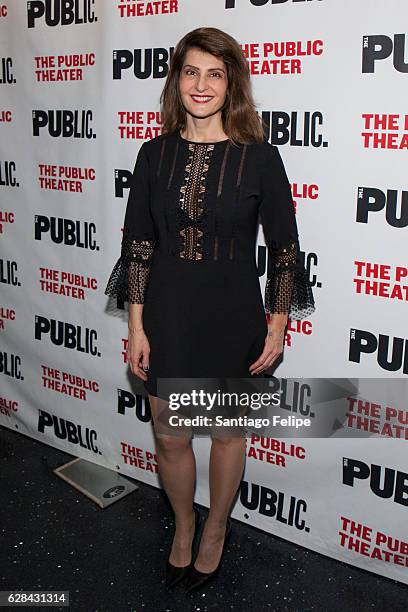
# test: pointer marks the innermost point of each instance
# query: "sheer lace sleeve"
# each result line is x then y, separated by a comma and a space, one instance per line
287, 290
130, 275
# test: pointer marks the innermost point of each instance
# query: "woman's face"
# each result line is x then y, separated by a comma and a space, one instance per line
203, 83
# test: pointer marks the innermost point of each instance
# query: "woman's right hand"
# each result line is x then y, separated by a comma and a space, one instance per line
138, 351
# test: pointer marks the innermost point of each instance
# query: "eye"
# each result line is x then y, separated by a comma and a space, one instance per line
188, 70
217, 74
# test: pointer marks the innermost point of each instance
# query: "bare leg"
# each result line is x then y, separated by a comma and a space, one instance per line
227, 462
177, 469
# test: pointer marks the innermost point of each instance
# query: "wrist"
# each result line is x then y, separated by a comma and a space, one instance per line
276, 332
135, 328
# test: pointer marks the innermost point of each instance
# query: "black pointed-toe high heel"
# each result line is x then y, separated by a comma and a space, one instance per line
195, 578
173, 573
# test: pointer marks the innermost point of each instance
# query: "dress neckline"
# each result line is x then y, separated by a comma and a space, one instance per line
217, 142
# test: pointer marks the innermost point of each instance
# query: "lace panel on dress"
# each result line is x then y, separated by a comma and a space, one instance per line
287, 289
130, 275
191, 209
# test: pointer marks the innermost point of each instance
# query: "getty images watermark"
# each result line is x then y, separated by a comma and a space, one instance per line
284, 407
213, 401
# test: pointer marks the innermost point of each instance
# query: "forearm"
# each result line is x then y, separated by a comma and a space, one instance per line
135, 321
277, 321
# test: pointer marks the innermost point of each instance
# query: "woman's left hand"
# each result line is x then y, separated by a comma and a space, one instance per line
272, 349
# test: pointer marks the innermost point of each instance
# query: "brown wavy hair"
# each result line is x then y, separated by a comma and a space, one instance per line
240, 120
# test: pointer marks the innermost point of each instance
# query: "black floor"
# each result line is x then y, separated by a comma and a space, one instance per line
112, 560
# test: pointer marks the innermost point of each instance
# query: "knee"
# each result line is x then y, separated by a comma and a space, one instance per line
226, 441
171, 445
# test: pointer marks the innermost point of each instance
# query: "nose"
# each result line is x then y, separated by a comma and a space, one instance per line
201, 84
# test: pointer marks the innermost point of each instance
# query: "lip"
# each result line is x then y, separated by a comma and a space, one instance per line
201, 101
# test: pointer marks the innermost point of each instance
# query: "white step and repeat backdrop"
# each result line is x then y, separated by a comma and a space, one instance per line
80, 83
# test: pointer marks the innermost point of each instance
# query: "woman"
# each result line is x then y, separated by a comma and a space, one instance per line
188, 270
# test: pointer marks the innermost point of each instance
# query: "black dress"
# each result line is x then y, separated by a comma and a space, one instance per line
188, 254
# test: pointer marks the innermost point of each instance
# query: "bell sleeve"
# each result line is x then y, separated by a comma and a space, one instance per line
288, 289
130, 275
